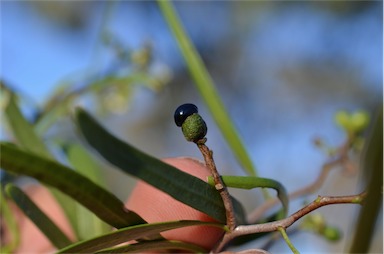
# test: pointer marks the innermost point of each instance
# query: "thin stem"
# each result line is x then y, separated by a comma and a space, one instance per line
287, 222
319, 202
286, 238
219, 184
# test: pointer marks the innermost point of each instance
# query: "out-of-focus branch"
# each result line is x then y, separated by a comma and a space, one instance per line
341, 158
285, 223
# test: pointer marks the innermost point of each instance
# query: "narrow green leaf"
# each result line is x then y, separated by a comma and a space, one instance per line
83, 162
160, 245
28, 139
372, 178
10, 221
206, 87
38, 217
88, 225
23, 130
251, 182
181, 186
49, 117
66, 203
130, 233
101, 202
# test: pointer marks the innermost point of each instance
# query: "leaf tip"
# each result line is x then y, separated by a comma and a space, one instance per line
78, 111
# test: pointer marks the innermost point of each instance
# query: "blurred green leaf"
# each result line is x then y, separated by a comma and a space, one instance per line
38, 217
372, 169
159, 245
130, 233
51, 116
206, 87
26, 136
88, 225
101, 202
11, 225
23, 130
181, 186
251, 182
83, 162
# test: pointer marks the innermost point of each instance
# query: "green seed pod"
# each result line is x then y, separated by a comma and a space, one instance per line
194, 128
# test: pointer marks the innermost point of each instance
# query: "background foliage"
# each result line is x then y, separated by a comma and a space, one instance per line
282, 70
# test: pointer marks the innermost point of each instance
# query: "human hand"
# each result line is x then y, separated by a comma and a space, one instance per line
150, 203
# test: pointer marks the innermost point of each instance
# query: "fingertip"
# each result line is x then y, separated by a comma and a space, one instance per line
156, 206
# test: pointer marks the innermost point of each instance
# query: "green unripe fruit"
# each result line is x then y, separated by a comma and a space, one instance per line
194, 128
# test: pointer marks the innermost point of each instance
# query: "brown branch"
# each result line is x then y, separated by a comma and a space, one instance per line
341, 159
285, 223
219, 184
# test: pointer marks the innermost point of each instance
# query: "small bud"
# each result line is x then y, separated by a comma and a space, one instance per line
359, 120
192, 124
194, 128
352, 123
342, 118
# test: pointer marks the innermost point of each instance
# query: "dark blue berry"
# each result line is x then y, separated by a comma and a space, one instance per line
183, 111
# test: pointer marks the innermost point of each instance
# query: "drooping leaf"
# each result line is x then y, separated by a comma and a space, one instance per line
101, 202
38, 217
181, 186
160, 245
88, 225
251, 182
130, 233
